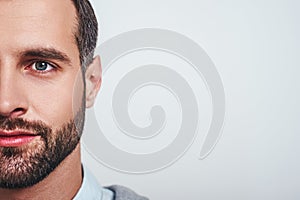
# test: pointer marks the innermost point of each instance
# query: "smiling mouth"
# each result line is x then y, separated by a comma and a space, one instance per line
16, 138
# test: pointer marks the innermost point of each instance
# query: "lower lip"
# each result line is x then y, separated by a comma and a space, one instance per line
16, 141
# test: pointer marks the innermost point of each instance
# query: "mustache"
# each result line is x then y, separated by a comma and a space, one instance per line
10, 124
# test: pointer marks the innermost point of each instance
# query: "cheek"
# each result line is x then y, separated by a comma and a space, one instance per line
58, 102
78, 93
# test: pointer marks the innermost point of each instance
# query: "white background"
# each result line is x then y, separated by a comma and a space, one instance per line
255, 46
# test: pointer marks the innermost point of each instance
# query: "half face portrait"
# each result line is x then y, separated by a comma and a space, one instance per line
48, 77
43, 69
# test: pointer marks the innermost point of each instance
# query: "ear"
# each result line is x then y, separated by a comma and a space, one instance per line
93, 78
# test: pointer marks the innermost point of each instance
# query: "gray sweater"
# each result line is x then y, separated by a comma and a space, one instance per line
123, 193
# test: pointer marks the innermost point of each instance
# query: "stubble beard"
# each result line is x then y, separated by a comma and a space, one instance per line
22, 167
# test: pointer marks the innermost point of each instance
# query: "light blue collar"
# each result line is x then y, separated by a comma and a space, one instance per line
91, 189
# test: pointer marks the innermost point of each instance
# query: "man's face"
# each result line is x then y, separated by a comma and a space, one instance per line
41, 89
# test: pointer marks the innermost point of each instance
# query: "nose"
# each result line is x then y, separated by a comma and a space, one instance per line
12, 101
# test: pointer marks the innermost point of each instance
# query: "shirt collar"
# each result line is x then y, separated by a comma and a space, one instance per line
91, 189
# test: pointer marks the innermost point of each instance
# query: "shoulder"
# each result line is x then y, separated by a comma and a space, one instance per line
123, 193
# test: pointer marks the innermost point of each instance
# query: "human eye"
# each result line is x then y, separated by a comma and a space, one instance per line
41, 67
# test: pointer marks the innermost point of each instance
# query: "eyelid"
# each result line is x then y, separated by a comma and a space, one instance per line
31, 62
31, 59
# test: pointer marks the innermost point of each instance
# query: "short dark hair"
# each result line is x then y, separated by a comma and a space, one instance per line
87, 31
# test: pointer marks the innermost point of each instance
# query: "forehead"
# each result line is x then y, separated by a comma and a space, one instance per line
25, 23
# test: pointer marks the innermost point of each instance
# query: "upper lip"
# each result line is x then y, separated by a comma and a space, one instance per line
4, 133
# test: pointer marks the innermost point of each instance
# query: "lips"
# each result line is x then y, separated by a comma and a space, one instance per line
16, 138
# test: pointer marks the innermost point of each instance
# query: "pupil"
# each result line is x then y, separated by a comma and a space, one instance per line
41, 66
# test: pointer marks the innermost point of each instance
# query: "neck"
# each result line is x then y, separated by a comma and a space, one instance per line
63, 183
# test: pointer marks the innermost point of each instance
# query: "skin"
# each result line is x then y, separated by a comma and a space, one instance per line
53, 96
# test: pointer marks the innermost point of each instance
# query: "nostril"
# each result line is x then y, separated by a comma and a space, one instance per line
17, 112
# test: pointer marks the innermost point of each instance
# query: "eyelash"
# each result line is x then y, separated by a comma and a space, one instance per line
32, 63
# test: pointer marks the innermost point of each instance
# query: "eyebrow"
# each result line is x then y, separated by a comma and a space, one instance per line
46, 53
